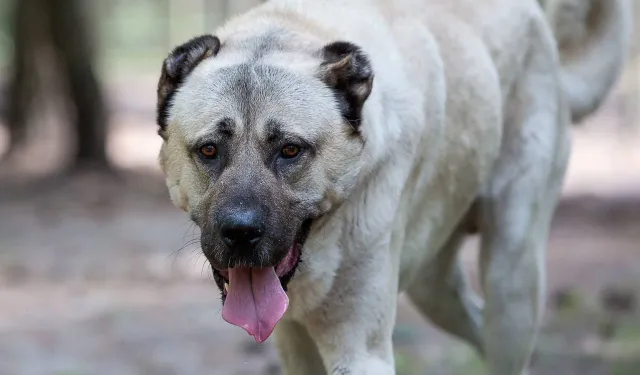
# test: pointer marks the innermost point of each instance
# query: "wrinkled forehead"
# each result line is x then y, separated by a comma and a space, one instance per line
253, 97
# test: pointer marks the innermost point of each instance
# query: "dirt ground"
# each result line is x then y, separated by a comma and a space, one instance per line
101, 276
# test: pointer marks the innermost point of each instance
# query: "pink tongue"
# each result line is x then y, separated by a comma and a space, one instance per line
255, 301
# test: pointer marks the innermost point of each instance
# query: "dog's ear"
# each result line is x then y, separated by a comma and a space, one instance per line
347, 70
177, 66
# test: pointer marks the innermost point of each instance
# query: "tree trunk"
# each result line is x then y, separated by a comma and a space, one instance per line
22, 87
63, 25
71, 37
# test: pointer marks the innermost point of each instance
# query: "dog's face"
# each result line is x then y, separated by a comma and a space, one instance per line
256, 148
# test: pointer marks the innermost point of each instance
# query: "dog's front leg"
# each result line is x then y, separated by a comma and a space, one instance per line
298, 352
353, 346
352, 329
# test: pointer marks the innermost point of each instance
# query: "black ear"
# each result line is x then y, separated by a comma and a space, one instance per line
175, 68
347, 70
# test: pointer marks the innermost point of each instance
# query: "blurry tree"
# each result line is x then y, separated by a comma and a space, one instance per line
72, 40
27, 32
63, 27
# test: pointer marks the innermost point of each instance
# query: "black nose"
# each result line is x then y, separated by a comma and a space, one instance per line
242, 229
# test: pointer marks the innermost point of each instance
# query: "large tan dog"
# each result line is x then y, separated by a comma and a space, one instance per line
336, 153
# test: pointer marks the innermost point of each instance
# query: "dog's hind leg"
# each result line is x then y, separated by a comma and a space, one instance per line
298, 352
513, 273
516, 210
443, 294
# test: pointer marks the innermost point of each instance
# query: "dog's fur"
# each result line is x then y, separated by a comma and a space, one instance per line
421, 121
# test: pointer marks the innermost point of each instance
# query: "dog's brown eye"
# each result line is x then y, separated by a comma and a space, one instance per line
209, 151
290, 151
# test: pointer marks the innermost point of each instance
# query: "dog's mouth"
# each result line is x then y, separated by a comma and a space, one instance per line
255, 298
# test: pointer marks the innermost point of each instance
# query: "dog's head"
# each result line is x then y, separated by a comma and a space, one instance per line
260, 140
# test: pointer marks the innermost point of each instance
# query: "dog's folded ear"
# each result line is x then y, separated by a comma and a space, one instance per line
347, 70
177, 66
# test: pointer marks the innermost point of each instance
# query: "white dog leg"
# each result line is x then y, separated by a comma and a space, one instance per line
513, 278
442, 293
355, 347
354, 341
516, 212
353, 327
298, 352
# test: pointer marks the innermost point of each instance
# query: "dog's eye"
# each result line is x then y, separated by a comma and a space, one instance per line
290, 151
208, 151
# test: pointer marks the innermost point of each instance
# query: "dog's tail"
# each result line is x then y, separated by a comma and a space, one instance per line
593, 38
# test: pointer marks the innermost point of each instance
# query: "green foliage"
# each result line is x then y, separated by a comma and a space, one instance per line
133, 36
6, 11
137, 35
626, 368
406, 364
471, 365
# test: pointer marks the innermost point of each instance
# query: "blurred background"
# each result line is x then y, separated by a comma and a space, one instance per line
100, 275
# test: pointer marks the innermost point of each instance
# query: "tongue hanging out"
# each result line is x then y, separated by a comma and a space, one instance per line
255, 301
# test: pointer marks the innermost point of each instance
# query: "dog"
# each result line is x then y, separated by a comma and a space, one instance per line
336, 153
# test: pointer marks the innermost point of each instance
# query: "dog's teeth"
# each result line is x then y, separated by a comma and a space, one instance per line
226, 287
